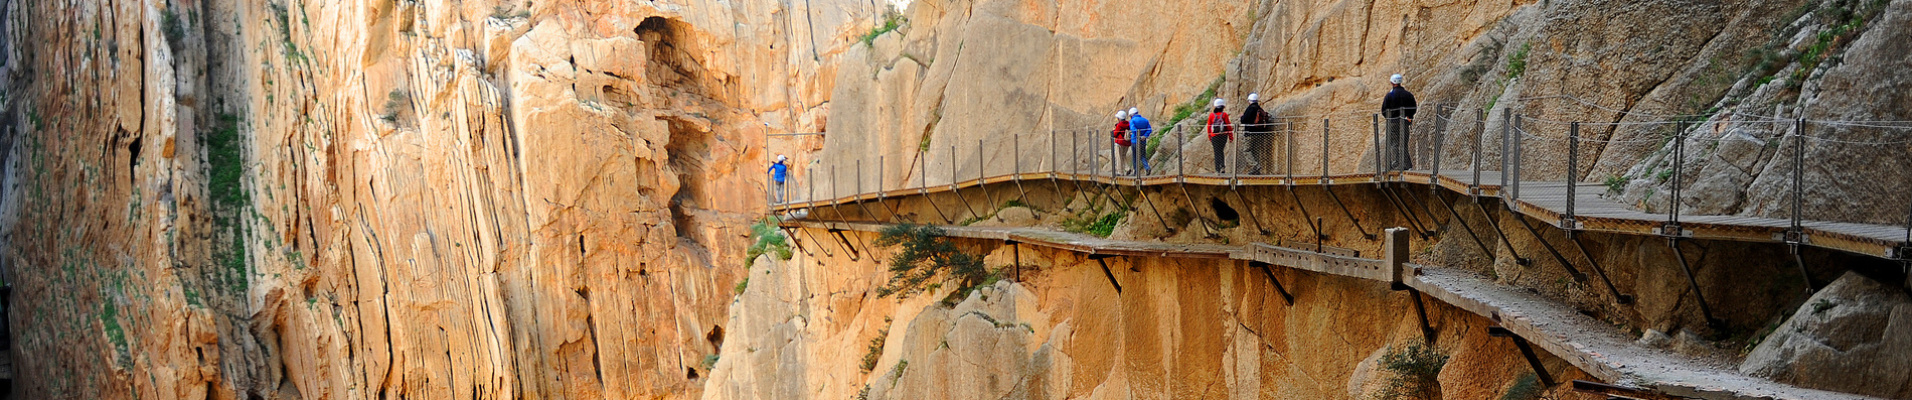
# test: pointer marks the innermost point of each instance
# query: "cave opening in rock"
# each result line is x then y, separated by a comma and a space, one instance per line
688, 154
1223, 211
673, 62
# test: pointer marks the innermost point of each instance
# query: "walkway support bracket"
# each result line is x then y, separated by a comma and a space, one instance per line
1533, 360
1345, 211
1574, 236
1522, 261
1705, 311
1271, 279
1575, 272
1489, 252
1105, 270
854, 255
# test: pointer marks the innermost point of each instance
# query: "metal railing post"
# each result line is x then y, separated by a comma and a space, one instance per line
1380, 153
1434, 145
1799, 165
1324, 153
1679, 163
1519, 138
982, 168
1480, 137
1290, 138
1573, 167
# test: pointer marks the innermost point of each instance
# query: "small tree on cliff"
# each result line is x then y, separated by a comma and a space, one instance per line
927, 261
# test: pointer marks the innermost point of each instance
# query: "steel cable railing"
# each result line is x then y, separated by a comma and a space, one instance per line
1474, 145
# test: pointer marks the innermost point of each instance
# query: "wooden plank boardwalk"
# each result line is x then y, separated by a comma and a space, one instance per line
1601, 350
1545, 201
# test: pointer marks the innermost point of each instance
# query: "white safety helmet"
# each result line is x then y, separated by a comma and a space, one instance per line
1119, 114
1396, 79
1254, 97
1134, 112
781, 158
1218, 103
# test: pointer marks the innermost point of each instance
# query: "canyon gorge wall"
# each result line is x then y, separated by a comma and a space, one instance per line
391, 199
550, 199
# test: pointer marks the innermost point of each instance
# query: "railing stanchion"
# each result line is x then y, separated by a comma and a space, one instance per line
1506, 135
1573, 168
1289, 126
835, 198
1324, 153
1799, 164
1519, 136
1380, 153
1434, 146
1181, 148
982, 168
1480, 135
952, 183
1796, 235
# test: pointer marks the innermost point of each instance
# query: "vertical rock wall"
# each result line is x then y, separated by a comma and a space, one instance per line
423, 199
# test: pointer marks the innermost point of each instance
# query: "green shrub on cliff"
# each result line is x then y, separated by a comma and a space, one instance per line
1415, 370
927, 261
765, 238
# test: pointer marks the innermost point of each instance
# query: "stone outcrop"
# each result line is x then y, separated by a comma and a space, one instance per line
1849, 337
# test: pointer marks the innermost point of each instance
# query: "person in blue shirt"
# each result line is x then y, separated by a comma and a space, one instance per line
1141, 129
778, 171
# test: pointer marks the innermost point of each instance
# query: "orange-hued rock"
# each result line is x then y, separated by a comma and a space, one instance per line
418, 199
1179, 329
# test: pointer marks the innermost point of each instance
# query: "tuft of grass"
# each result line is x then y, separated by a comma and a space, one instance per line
394, 102
1517, 64
875, 351
1193, 106
901, 365
1615, 184
710, 362
743, 284
891, 21
1092, 221
174, 28
1416, 368
1822, 305
1526, 387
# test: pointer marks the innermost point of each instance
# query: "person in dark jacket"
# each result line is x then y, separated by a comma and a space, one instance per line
1260, 129
1219, 133
1398, 107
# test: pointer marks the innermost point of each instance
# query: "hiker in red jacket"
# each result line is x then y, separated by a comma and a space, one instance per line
1121, 136
1219, 133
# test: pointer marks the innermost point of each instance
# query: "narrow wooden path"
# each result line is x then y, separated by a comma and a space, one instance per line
1544, 201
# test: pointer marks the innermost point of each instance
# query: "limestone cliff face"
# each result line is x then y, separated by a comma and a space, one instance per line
813, 328
967, 70
386, 199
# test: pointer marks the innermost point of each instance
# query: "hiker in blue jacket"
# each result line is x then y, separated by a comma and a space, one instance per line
778, 171
1141, 129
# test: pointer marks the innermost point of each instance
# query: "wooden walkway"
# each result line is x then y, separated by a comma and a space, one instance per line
1544, 201
1590, 345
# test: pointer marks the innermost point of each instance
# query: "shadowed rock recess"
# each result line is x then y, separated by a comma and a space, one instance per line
286, 199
